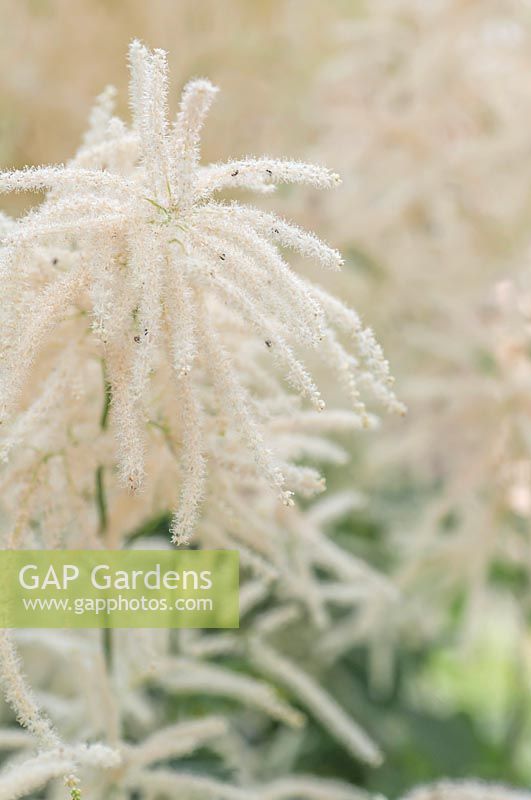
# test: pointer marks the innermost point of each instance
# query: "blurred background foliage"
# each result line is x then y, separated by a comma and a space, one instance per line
449, 693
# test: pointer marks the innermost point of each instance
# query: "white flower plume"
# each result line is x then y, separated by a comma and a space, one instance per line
161, 270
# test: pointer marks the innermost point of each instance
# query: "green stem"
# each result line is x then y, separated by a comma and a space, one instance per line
101, 499
104, 419
101, 502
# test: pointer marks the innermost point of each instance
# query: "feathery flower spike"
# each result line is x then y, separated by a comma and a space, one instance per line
156, 263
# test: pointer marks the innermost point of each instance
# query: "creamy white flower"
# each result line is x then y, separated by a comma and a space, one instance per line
158, 265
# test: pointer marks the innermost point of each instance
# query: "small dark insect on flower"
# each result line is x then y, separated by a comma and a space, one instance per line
137, 339
223, 256
276, 230
268, 342
269, 172
145, 331
233, 174
55, 261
